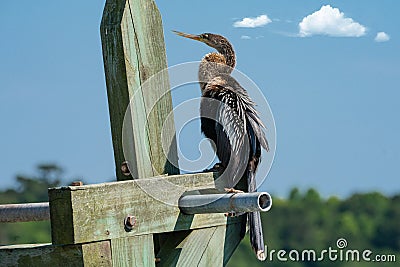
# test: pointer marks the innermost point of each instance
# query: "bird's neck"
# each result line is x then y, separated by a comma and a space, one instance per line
212, 65
227, 51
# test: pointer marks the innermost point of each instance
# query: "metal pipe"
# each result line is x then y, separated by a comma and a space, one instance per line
25, 212
189, 204
225, 203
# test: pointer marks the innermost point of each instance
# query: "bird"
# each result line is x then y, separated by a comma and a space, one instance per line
230, 120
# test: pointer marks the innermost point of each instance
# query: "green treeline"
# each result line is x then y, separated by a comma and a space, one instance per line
303, 221
30, 188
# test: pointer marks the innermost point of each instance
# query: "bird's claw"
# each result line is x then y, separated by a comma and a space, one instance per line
233, 190
233, 213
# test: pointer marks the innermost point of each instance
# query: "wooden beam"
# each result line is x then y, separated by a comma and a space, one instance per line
235, 230
140, 104
211, 246
192, 248
96, 212
133, 251
93, 254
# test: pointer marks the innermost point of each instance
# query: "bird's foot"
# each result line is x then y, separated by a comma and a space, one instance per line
233, 213
233, 190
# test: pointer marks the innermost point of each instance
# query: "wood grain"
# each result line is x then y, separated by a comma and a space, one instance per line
93, 254
211, 246
133, 251
139, 101
97, 212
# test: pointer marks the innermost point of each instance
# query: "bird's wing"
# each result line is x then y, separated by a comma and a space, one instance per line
257, 126
231, 117
252, 115
232, 132
232, 147
248, 105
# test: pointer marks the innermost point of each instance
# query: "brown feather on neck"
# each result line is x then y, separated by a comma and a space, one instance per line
215, 57
212, 65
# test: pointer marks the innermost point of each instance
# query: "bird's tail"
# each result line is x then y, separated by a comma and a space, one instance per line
256, 235
254, 219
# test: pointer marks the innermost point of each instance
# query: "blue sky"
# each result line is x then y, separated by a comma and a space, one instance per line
334, 99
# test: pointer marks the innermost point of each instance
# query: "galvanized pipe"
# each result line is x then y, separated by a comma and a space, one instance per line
25, 212
225, 203
189, 204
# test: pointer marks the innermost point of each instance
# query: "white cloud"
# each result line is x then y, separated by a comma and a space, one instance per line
332, 22
382, 37
246, 37
252, 22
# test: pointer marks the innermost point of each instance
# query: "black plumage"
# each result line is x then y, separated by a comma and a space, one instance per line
230, 120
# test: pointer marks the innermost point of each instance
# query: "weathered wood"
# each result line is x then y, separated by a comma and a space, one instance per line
97, 254
201, 247
213, 254
235, 230
61, 215
96, 212
133, 51
93, 254
133, 251
211, 246
170, 249
186, 249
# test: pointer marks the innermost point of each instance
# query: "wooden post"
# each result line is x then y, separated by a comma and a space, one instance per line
139, 102
133, 53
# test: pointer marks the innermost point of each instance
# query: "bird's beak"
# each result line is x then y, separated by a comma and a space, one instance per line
190, 36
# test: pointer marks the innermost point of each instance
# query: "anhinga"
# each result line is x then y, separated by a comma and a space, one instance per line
229, 119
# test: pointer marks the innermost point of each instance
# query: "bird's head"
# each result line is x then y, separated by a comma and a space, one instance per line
219, 42
214, 40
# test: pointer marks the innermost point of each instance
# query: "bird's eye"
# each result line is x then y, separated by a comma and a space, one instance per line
205, 35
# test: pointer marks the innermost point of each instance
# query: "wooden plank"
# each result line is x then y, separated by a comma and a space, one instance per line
213, 255
235, 230
61, 229
133, 251
211, 246
97, 254
133, 51
93, 254
188, 251
97, 211
170, 249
